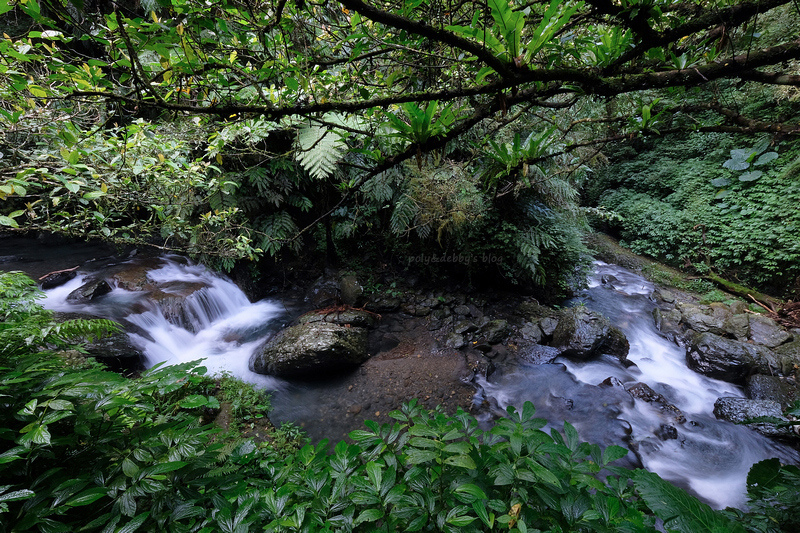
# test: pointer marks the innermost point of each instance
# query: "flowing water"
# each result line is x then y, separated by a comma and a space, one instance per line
707, 456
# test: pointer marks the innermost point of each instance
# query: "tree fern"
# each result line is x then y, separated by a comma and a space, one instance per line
405, 211
319, 149
277, 230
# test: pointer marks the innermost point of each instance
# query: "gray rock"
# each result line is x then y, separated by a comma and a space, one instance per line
495, 331
788, 356
738, 308
324, 293
354, 317
383, 304
311, 350
667, 321
56, 279
540, 355
531, 332
738, 410
774, 388
645, 393
582, 334
116, 351
663, 295
548, 325
721, 358
455, 340
738, 326
701, 319
465, 326
90, 290
764, 330
351, 291
462, 310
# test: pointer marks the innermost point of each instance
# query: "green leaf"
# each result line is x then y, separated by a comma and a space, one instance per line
86, 497
720, 182
369, 515
766, 158
472, 490
613, 453
750, 176
679, 510
193, 401
462, 461
134, 524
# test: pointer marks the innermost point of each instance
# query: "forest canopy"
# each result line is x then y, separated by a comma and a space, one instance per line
242, 129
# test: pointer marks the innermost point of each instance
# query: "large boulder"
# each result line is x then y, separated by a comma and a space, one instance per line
582, 334
721, 358
740, 410
320, 344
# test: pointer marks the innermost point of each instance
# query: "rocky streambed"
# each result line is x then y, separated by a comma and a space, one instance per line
337, 355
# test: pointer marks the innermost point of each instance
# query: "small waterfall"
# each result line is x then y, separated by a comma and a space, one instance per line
707, 456
185, 313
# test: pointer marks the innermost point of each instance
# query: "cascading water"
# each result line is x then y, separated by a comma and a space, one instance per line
708, 456
216, 321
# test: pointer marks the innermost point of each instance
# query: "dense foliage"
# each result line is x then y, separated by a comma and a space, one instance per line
140, 455
681, 203
242, 130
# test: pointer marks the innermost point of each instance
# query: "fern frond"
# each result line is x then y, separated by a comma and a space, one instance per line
403, 215
277, 229
319, 150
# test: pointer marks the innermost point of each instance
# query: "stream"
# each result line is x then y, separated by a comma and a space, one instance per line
709, 457
706, 456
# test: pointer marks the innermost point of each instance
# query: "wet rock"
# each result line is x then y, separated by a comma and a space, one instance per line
351, 291
495, 331
663, 295
738, 410
465, 326
540, 354
701, 319
324, 293
666, 432
90, 290
56, 279
721, 358
647, 394
611, 381
116, 352
548, 325
738, 326
764, 330
171, 299
383, 304
343, 316
774, 388
311, 351
667, 321
788, 356
462, 310
582, 334
455, 340
531, 332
